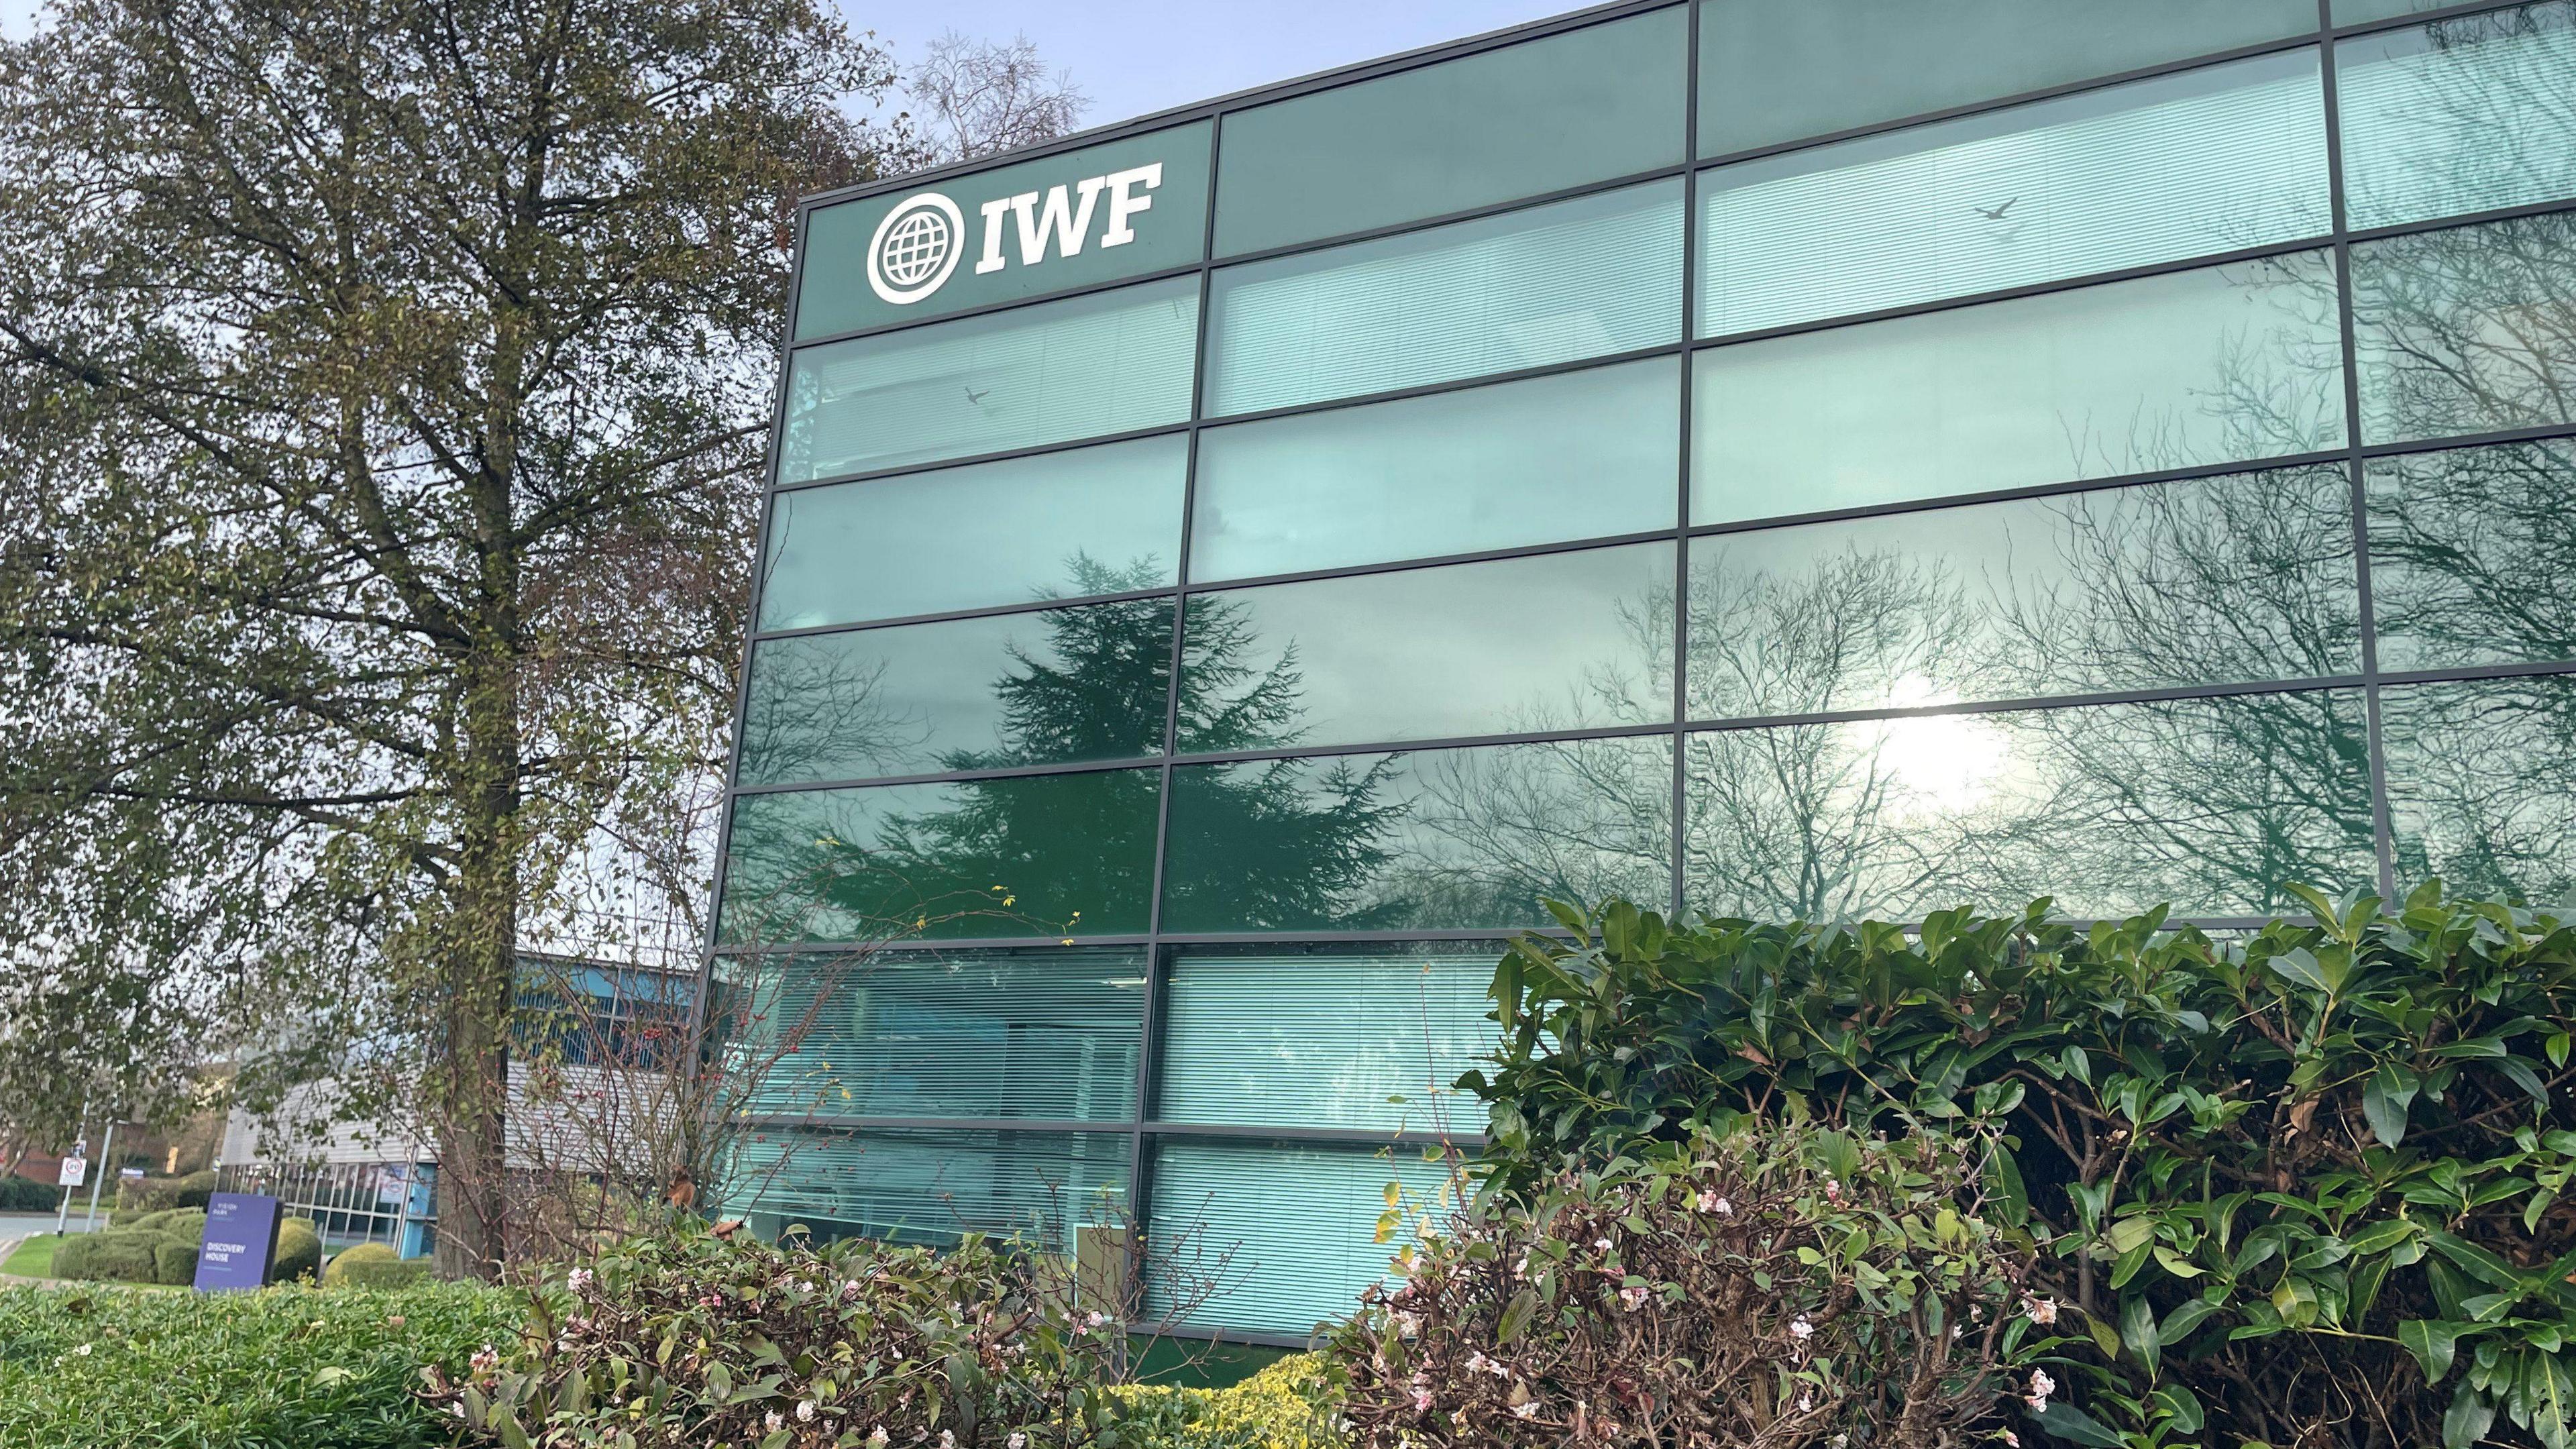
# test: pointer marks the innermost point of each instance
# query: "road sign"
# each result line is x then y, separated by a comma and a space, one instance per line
75, 1172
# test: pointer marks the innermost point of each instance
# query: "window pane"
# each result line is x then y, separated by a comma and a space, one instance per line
1327, 1039
2234, 579
1047, 688
2211, 366
1557, 283
1150, 190
982, 858
1561, 641
2354, 12
1288, 1234
1110, 362
2470, 330
1541, 116
1547, 459
1469, 838
2470, 554
2482, 785
2466, 114
2207, 803
1054, 1190
1770, 72
1041, 1035
2153, 171
1088, 521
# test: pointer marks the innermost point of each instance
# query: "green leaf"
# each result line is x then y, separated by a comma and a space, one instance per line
2524, 1077
2433, 1343
2065, 1421
2300, 968
2380, 1236
2138, 1332
1516, 1316
2126, 1234
2190, 1314
2384, 1101
2468, 1419
2182, 1408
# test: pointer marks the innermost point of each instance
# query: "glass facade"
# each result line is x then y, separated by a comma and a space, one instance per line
1837, 459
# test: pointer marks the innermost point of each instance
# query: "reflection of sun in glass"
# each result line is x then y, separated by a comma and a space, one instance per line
1943, 763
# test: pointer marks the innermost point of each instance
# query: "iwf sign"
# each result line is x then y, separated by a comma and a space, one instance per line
1119, 209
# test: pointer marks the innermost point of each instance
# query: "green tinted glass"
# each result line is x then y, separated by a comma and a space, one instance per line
1289, 1234
1557, 283
1556, 642
2207, 803
2152, 171
2210, 366
2482, 785
1085, 367
2234, 579
1322, 1038
1577, 455
2470, 330
1039, 1035
1057, 1190
2354, 12
1058, 525
2471, 553
983, 858
1469, 838
2465, 114
1077, 219
1047, 688
1770, 72
1526, 120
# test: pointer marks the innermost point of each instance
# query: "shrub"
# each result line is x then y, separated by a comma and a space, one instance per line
299, 1252
698, 1337
71, 1255
2300, 1185
1293, 1404
1761, 1286
26, 1195
118, 1257
93, 1369
372, 1265
174, 1262
158, 1194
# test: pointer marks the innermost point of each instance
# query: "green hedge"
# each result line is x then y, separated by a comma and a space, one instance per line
26, 1195
291, 1368
2303, 1184
161, 1247
158, 1194
1289, 1405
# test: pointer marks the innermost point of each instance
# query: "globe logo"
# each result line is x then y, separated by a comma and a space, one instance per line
915, 248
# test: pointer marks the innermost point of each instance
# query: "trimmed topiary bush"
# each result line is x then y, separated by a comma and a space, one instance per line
372, 1265
174, 1262
71, 1255
299, 1252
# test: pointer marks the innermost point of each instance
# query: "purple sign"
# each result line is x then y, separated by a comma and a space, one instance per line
241, 1237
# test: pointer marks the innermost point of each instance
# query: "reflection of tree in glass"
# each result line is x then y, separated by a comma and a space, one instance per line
818, 712
1297, 842
2483, 784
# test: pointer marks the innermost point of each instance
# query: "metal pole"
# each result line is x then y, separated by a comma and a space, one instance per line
80, 1145
98, 1179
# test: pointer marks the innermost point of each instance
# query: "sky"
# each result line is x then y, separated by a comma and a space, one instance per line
1136, 56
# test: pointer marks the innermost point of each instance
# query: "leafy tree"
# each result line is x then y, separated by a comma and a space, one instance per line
381, 392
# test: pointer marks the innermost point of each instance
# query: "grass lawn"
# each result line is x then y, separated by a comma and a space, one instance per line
34, 1257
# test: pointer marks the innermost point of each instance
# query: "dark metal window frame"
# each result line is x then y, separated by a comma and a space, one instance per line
1145, 1127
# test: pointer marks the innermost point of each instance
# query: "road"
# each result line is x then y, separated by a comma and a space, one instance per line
14, 1226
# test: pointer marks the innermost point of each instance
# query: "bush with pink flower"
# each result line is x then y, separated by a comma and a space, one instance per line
1760, 1287
715, 1340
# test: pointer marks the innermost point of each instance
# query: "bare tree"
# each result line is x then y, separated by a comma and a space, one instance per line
982, 97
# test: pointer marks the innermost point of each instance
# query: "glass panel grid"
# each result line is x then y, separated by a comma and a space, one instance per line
2209, 799
2152, 171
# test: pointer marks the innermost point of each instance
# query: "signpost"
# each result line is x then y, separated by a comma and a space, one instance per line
75, 1172
241, 1238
